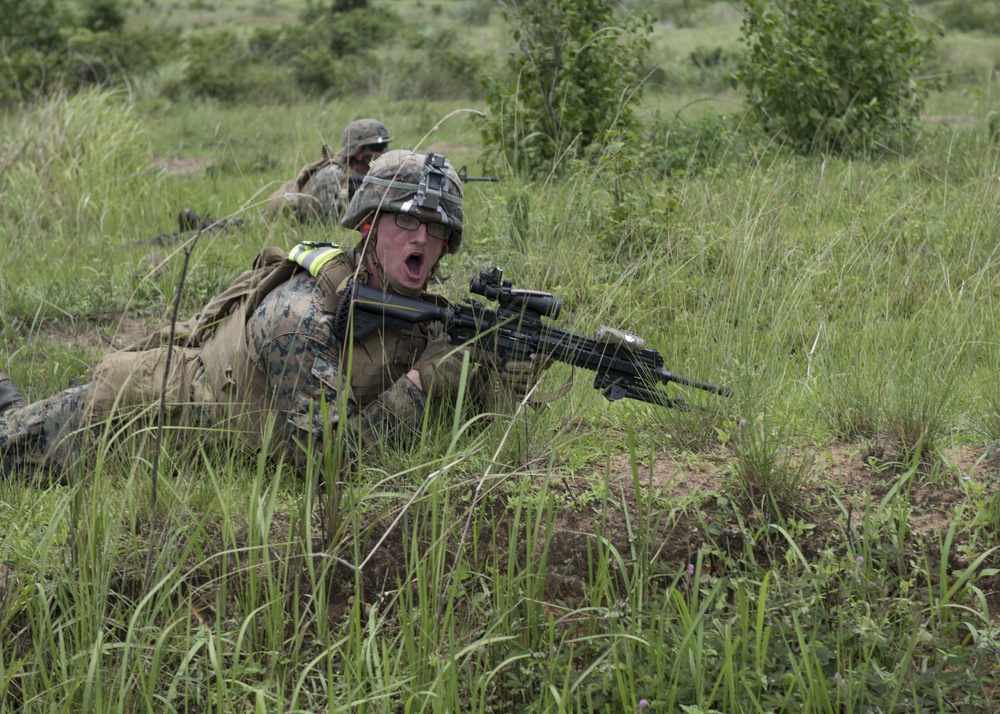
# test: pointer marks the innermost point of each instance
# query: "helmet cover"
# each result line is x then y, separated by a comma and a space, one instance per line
364, 133
402, 181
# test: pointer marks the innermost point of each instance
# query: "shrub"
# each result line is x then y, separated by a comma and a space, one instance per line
438, 68
675, 147
835, 75
320, 73
969, 16
575, 77
32, 24
222, 66
217, 69
103, 15
101, 57
346, 32
82, 58
346, 5
475, 12
331, 52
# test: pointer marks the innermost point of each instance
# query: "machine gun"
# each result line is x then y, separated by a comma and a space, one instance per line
191, 224
624, 367
463, 174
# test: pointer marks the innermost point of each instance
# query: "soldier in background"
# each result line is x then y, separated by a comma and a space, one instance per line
262, 356
323, 189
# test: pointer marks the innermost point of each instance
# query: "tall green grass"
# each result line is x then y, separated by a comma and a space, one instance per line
534, 562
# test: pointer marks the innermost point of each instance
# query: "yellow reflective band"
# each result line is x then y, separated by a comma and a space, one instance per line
313, 257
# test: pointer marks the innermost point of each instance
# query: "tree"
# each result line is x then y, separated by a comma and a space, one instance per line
835, 75
574, 78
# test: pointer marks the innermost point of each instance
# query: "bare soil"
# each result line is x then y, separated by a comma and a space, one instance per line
99, 337
690, 517
182, 165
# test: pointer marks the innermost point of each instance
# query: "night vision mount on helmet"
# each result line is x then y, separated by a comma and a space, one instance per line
405, 182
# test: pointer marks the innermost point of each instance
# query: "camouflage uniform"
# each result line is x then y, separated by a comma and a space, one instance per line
274, 360
321, 191
270, 360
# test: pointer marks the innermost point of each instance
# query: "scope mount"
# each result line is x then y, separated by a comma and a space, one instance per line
490, 284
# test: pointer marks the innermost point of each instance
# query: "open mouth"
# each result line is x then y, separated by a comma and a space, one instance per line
415, 265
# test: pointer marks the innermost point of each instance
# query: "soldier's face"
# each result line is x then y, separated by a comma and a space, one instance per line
366, 156
407, 255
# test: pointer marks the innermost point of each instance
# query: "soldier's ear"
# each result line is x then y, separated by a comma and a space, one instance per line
366, 228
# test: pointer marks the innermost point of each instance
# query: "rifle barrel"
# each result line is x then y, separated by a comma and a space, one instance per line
666, 376
463, 175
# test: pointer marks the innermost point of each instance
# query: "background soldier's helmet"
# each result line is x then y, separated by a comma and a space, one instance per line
364, 133
401, 181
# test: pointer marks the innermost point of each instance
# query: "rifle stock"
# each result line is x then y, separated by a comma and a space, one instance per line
623, 367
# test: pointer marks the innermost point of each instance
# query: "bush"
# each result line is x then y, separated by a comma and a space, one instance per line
574, 79
101, 57
970, 15
103, 15
475, 12
674, 147
80, 59
23, 75
835, 75
347, 32
320, 73
331, 52
218, 62
32, 24
438, 68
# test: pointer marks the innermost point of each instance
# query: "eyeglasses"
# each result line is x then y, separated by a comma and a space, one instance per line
412, 223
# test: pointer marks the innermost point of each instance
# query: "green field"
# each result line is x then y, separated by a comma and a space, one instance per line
825, 540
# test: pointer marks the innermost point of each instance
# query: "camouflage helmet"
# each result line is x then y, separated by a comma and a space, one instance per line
402, 181
362, 133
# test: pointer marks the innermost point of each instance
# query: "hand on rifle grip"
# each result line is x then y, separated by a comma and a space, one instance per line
439, 368
519, 376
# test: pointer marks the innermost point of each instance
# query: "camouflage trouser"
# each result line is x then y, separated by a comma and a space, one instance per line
47, 431
56, 432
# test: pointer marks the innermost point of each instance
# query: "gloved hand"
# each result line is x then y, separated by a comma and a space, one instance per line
517, 377
440, 368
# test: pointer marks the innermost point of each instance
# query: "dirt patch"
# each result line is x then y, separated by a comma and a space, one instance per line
685, 506
104, 337
694, 504
182, 165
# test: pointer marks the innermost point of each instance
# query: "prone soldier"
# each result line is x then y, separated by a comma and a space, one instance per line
323, 189
320, 191
262, 357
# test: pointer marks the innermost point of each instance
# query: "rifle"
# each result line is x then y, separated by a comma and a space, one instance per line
624, 367
463, 174
191, 224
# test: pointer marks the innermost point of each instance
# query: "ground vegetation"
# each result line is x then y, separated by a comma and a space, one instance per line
826, 539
